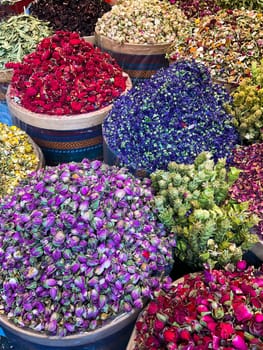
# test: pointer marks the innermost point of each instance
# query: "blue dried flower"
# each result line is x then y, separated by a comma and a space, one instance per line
173, 116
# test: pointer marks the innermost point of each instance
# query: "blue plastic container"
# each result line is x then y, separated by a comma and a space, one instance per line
5, 116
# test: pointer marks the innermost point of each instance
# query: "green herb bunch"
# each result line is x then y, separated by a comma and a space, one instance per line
237, 4
247, 106
193, 202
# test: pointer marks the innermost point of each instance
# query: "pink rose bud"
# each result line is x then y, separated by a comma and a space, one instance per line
239, 343
241, 265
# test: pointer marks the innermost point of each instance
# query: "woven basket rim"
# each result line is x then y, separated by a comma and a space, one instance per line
38, 152
64, 122
6, 75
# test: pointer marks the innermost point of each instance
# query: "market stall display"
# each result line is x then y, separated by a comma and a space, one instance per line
19, 157
173, 116
227, 43
85, 245
80, 244
138, 34
60, 94
193, 201
70, 15
217, 309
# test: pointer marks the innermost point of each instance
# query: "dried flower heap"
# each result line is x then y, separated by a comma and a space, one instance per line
66, 75
19, 36
79, 244
142, 22
17, 157
174, 116
247, 106
197, 9
247, 4
216, 310
227, 43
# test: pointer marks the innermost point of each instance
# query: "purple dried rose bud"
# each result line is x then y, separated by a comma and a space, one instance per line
31, 272
53, 292
51, 326
50, 282
59, 238
80, 282
80, 246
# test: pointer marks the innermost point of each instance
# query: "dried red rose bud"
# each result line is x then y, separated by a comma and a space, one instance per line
66, 75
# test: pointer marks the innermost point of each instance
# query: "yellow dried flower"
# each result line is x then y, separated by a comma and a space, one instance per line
17, 157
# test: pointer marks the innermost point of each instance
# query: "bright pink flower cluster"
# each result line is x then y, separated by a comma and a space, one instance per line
66, 75
219, 310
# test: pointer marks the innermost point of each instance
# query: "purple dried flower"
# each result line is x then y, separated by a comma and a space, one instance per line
31, 272
51, 327
59, 238
80, 282
81, 242
173, 116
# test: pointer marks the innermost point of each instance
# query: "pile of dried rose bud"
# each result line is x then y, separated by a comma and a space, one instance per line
66, 75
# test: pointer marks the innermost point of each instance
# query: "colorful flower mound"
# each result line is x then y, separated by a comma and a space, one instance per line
197, 8
79, 244
142, 22
173, 116
214, 309
248, 187
66, 75
227, 43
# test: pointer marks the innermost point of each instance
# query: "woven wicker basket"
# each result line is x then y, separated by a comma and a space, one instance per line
6, 75
230, 87
5, 78
139, 61
63, 138
38, 153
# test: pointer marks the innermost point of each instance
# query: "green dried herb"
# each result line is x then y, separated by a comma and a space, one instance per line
247, 106
245, 4
194, 203
19, 36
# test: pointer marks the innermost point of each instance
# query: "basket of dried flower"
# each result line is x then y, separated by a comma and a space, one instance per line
64, 288
128, 32
63, 110
214, 309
